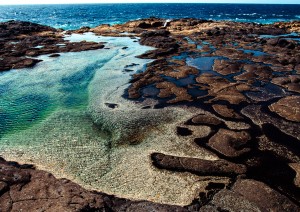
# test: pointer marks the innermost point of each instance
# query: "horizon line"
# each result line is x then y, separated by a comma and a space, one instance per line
147, 3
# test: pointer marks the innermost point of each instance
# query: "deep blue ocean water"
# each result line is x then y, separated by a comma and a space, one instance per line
76, 16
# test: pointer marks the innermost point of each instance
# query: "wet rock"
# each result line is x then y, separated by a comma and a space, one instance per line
17, 62
296, 167
225, 67
266, 93
232, 53
168, 89
225, 111
206, 120
41, 191
287, 108
258, 117
29, 39
179, 72
112, 105
263, 196
198, 166
3, 187
54, 55
222, 89
255, 72
230, 143
227, 200
250, 195
13, 28
291, 82
158, 39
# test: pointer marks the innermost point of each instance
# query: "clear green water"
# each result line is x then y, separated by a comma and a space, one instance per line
30, 96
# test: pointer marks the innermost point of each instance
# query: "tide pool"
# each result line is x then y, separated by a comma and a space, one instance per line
57, 116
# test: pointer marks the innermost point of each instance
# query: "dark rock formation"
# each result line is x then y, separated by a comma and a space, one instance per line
230, 143
21, 40
288, 108
198, 166
250, 195
23, 188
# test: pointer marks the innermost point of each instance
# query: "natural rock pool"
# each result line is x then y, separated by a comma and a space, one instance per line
67, 115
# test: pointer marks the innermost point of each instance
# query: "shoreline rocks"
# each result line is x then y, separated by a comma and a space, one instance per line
245, 75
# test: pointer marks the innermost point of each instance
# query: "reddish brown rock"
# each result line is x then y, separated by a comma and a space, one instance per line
287, 108
26, 189
250, 195
225, 67
28, 39
230, 143
167, 89
225, 111
222, 89
198, 166
179, 72
206, 119
291, 82
263, 196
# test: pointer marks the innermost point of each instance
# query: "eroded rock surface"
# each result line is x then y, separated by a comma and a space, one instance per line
229, 70
23, 188
288, 108
21, 41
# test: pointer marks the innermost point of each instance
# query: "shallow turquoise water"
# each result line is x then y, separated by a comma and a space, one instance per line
29, 96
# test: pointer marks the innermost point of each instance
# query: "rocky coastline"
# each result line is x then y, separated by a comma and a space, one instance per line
244, 76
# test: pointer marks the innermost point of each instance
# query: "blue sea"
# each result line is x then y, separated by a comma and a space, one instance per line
76, 16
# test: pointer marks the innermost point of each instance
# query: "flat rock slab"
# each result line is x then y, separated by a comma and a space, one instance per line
288, 108
206, 119
198, 166
250, 195
225, 111
23, 188
230, 143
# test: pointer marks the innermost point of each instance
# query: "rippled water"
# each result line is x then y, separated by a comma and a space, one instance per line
28, 96
76, 16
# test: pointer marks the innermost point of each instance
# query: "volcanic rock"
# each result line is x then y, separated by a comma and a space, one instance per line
225, 67
26, 189
288, 108
225, 111
230, 143
250, 195
206, 119
198, 166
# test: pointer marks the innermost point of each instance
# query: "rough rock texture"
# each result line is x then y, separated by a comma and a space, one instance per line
226, 112
23, 188
230, 143
206, 119
250, 195
201, 167
288, 108
20, 40
225, 67
242, 75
